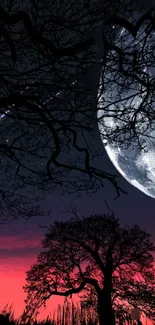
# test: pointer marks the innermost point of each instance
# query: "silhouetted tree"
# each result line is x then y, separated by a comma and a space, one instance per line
94, 254
50, 51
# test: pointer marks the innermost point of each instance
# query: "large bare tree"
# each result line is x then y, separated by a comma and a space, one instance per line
52, 56
113, 266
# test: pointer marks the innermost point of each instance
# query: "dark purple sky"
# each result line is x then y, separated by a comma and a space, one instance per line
20, 239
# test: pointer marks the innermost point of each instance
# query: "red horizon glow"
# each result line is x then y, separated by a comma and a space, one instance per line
13, 272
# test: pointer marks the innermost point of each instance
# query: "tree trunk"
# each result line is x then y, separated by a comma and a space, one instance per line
105, 310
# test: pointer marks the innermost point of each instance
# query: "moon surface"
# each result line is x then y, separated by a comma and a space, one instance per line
135, 163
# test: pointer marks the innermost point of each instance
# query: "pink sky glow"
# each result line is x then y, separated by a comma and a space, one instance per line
17, 254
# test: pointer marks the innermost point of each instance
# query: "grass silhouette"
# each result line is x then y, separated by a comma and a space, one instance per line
69, 314
65, 315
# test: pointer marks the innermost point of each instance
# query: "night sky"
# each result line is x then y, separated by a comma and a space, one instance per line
20, 239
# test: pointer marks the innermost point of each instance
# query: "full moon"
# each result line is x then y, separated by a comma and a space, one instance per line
124, 105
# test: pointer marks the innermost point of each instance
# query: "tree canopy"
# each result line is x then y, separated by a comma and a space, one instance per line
110, 265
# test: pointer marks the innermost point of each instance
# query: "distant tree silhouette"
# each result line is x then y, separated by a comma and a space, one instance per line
94, 254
